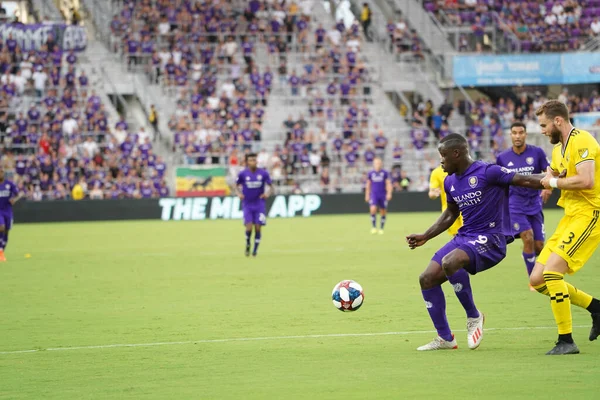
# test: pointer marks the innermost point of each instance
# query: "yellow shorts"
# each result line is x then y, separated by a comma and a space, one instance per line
575, 240
453, 230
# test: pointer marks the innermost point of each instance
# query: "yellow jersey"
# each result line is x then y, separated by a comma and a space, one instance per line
581, 147
436, 181
77, 192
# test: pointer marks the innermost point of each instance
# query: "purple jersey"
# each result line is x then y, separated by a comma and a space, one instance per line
253, 186
532, 161
8, 190
378, 181
481, 194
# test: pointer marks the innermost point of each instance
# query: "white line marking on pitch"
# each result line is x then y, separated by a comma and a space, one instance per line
254, 339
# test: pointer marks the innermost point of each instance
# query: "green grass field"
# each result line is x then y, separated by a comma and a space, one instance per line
184, 292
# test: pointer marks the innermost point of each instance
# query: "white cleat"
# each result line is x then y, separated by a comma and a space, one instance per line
373, 231
439, 344
475, 331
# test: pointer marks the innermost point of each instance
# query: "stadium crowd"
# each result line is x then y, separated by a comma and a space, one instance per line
55, 134
539, 26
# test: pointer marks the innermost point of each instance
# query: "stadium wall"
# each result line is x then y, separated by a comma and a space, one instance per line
203, 208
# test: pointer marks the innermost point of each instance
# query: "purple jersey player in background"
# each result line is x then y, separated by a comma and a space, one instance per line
478, 191
252, 189
9, 195
526, 204
377, 193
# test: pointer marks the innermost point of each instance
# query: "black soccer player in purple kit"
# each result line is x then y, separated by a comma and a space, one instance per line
9, 195
478, 191
525, 204
253, 186
378, 193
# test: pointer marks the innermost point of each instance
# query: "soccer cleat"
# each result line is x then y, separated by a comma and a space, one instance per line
475, 331
247, 251
595, 331
2, 256
254, 254
380, 232
373, 231
439, 344
563, 348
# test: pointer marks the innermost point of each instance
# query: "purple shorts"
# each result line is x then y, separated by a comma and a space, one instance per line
255, 216
485, 251
524, 222
379, 202
6, 220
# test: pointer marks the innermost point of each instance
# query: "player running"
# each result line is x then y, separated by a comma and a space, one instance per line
9, 195
478, 191
578, 233
525, 204
253, 187
377, 193
436, 189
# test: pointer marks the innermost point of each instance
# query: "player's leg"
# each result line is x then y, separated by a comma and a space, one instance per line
5, 225
554, 272
573, 253
260, 220
382, 213
373, 212
539, 232
431, 281
455, 266
248, 225
522, 227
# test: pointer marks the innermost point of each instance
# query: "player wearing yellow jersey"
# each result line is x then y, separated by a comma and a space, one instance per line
436, 189
575, 170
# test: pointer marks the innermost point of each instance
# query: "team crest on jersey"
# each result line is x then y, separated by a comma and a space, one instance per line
473, 182
7, 186
517, 226
259, 177
583, 153
247, 178
529, 160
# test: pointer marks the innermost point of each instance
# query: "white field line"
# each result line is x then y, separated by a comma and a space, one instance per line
267, 338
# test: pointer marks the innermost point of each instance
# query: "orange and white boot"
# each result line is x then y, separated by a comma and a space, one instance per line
2, 256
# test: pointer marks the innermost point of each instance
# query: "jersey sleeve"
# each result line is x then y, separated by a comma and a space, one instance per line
434, 181
585, 148
386, 176
497, 175
14, 192
543, 160
448, 190
240, 179
499, 160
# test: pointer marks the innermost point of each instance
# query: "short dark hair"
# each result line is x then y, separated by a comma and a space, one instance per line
454, 141
250, 155
518, 124
552, 109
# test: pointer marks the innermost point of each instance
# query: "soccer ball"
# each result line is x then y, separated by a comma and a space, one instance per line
348, 296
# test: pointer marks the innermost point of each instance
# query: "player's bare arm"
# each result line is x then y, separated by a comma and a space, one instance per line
367, 190
434, 193
388, 189
267, 192
444, 222
528, 181
582, 180
15, 199
238, 192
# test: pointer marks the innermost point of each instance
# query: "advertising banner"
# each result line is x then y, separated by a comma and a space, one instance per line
33, 36
538, 69
581, 68
527, 69
199, 181
587, 120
